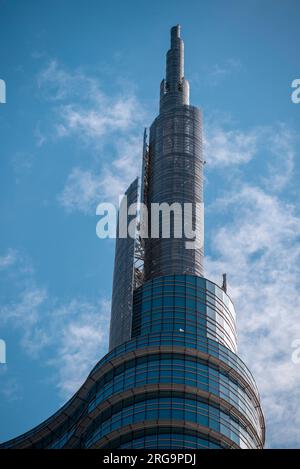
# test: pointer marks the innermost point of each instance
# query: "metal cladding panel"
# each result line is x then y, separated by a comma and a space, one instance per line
175, 175
175, 169
121, 310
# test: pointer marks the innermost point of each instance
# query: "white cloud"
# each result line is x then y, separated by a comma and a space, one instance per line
215, 74
82, 108
10, 389
40, 138
82, 191
24, 310
82, 342
9, 259
109, 116
84, 112
274, 146
229, 147
85, 189
57, 84
259, 249
281, 142
74, 334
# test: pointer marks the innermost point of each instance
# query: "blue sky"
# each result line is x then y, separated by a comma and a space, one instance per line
82, 82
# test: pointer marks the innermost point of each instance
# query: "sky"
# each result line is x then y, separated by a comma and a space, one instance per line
82, 81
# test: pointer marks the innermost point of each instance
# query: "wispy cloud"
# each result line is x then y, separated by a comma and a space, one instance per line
10, 389
81, 106
229, 147
85, 189
275, 147
40, 138
81, 343
8, 259
25, 309
110, 124
57, 83
74, 334
82, 191
282, 142
108, 117
258, 246
215, 74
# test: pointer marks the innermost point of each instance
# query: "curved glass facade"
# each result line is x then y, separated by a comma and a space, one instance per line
178, 369
184, 303
171, 406
172, 438
162, 379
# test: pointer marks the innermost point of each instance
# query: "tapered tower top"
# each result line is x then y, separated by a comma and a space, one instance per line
174, 88
175, 32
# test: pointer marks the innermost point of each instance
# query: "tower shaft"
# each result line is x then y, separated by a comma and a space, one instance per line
175, 169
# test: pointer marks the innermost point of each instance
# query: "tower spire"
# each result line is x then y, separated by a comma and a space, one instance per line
175, 60
174, 89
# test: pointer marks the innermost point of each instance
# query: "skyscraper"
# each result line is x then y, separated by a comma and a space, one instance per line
172, 377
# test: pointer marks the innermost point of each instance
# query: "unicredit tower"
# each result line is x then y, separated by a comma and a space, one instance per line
172, 377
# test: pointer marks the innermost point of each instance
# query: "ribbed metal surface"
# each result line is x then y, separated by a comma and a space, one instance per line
175, 168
